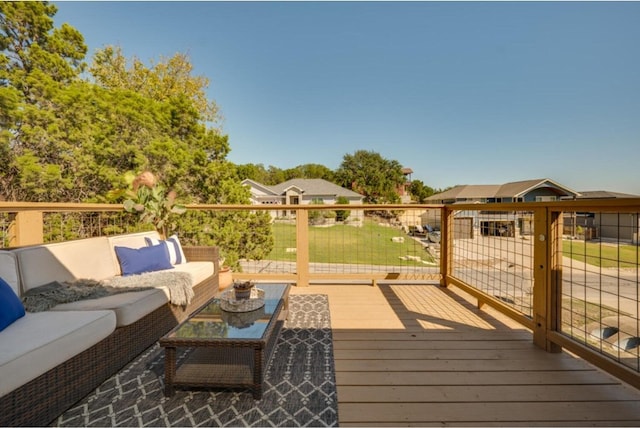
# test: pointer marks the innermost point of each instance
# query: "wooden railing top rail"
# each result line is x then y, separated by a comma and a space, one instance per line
621, 204
76, 206
313, 207
57, 206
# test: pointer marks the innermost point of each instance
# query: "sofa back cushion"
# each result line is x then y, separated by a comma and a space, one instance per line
65, 261
9, 270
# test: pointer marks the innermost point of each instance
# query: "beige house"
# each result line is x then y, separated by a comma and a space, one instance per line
302, 191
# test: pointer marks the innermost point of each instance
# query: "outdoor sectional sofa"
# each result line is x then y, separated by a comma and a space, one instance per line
49, 360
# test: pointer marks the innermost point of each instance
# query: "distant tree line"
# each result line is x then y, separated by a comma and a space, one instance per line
365, 172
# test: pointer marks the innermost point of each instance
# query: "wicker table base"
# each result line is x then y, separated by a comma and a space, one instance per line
221, 355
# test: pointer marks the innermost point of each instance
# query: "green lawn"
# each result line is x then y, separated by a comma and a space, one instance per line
370, 244
603, 255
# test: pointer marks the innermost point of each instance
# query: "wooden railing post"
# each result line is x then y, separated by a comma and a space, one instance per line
26, 229
545, 302
446, 244
554, 277
302, 247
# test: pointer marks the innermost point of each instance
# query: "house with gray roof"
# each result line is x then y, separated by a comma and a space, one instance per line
538, 190
508, 223
302, 191
513, 223
604, 224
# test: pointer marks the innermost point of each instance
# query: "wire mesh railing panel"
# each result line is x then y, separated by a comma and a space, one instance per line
281, 259
65, 226
493, 252
6, 221
600, 283
352, 241
397, 243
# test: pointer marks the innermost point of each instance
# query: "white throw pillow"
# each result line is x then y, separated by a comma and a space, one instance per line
176, 255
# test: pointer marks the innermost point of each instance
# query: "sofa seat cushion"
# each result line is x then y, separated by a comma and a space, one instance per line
198, 270
128, 307
38, 342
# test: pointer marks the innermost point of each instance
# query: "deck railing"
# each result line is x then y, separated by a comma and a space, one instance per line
568, 270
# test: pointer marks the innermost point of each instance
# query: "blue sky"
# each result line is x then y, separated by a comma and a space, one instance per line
460, 92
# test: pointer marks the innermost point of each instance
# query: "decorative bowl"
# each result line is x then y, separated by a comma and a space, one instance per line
230, 303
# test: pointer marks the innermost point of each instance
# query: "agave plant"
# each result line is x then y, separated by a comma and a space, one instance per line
150, 200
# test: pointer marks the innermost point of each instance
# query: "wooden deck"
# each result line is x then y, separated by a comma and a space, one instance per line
421, 355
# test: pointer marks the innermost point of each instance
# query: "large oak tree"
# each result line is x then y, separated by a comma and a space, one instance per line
371, 175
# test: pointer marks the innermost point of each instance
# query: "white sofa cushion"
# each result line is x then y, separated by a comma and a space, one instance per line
9, 270
65, 261
128, 307
36, 343
176, 254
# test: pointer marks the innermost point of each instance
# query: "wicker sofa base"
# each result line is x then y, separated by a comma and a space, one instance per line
40, 401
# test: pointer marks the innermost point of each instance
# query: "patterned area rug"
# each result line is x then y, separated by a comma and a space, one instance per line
299, 389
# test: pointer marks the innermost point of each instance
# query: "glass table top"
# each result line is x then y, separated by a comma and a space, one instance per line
211, 322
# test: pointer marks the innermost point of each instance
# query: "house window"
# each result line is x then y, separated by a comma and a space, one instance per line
545, 198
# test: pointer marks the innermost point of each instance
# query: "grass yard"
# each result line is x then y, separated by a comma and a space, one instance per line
370, 244
602, 254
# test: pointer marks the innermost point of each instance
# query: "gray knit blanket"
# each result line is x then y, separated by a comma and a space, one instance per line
55, 293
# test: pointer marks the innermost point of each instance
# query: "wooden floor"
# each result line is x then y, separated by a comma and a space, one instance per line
421, 355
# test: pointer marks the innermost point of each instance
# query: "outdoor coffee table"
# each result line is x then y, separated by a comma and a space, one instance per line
225, 349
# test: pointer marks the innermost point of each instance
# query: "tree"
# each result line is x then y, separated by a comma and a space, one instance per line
186, 154
38, 66
342, 215
419, 191
68, 139
275, 175
310, 170
369, 174
168, 79
30, 43
255, 172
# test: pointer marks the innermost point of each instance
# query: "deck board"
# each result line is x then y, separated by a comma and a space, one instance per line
421, 355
